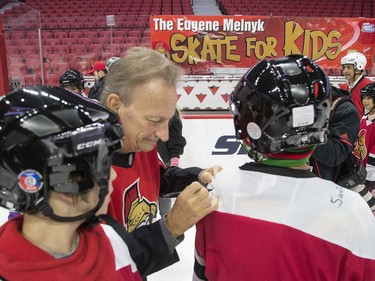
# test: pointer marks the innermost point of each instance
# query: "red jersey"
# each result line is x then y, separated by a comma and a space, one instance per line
136, 188
284, 224
365, 146
356, 92
141, 177
101, 255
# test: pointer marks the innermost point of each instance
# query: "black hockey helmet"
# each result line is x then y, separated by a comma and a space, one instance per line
368, 91
281, 104
72, 77
46, 136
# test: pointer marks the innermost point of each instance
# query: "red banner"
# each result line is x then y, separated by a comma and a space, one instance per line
241, 41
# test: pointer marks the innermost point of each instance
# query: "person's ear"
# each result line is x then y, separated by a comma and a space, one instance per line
113, 102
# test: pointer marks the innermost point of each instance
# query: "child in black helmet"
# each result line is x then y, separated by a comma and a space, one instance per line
73, 81
55, 161
365, 147
276, 220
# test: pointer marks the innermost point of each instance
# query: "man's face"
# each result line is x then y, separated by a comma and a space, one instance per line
96, 75
146, 118
348, 70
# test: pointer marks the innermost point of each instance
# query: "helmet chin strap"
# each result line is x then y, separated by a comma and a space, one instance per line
89, 216
373, 108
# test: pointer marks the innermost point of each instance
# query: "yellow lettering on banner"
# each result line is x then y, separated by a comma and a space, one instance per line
185, 48
316, 43
291, 35
262, 49
334, 47
182, 50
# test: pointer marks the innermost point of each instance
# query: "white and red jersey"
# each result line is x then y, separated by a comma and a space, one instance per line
365, 146
284, 224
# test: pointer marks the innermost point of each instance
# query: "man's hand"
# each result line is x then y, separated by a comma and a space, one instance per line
193, 204
207, 175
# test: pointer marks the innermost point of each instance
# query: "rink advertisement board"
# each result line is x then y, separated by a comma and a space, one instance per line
241, 41
211, 141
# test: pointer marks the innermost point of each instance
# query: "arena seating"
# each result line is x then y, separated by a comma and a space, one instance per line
76, 34
312, 8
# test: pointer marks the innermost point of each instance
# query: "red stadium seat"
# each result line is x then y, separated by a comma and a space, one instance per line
27, 49
69, 41
52, 79
61, 35
72, 58
121, 33
46, 34
90, 34
135, 33
52, 41
47, 49
133, 40
106, 55
31, 60
78, 48
117, 40
30, 80
17, 69
46, 68
105, 33
60, 67
12, 50
76, 34
62, 49
82, 66
18, 35
15, 58
53, 58
127, 46
96, 48
90, 57
113, 48
85, 40
102, 40
25, 41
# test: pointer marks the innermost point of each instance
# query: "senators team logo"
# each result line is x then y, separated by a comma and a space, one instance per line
360, 149
138, 210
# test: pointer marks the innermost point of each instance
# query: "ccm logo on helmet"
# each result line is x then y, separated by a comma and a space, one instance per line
88, 144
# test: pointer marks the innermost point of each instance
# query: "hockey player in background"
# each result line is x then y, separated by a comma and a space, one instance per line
276, 220
352, 68
365, 148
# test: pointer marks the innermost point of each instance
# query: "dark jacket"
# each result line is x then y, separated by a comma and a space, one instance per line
96, 90
174, 146
327, 159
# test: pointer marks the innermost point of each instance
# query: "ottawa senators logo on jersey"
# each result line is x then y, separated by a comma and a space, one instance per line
138, 211
360, 149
